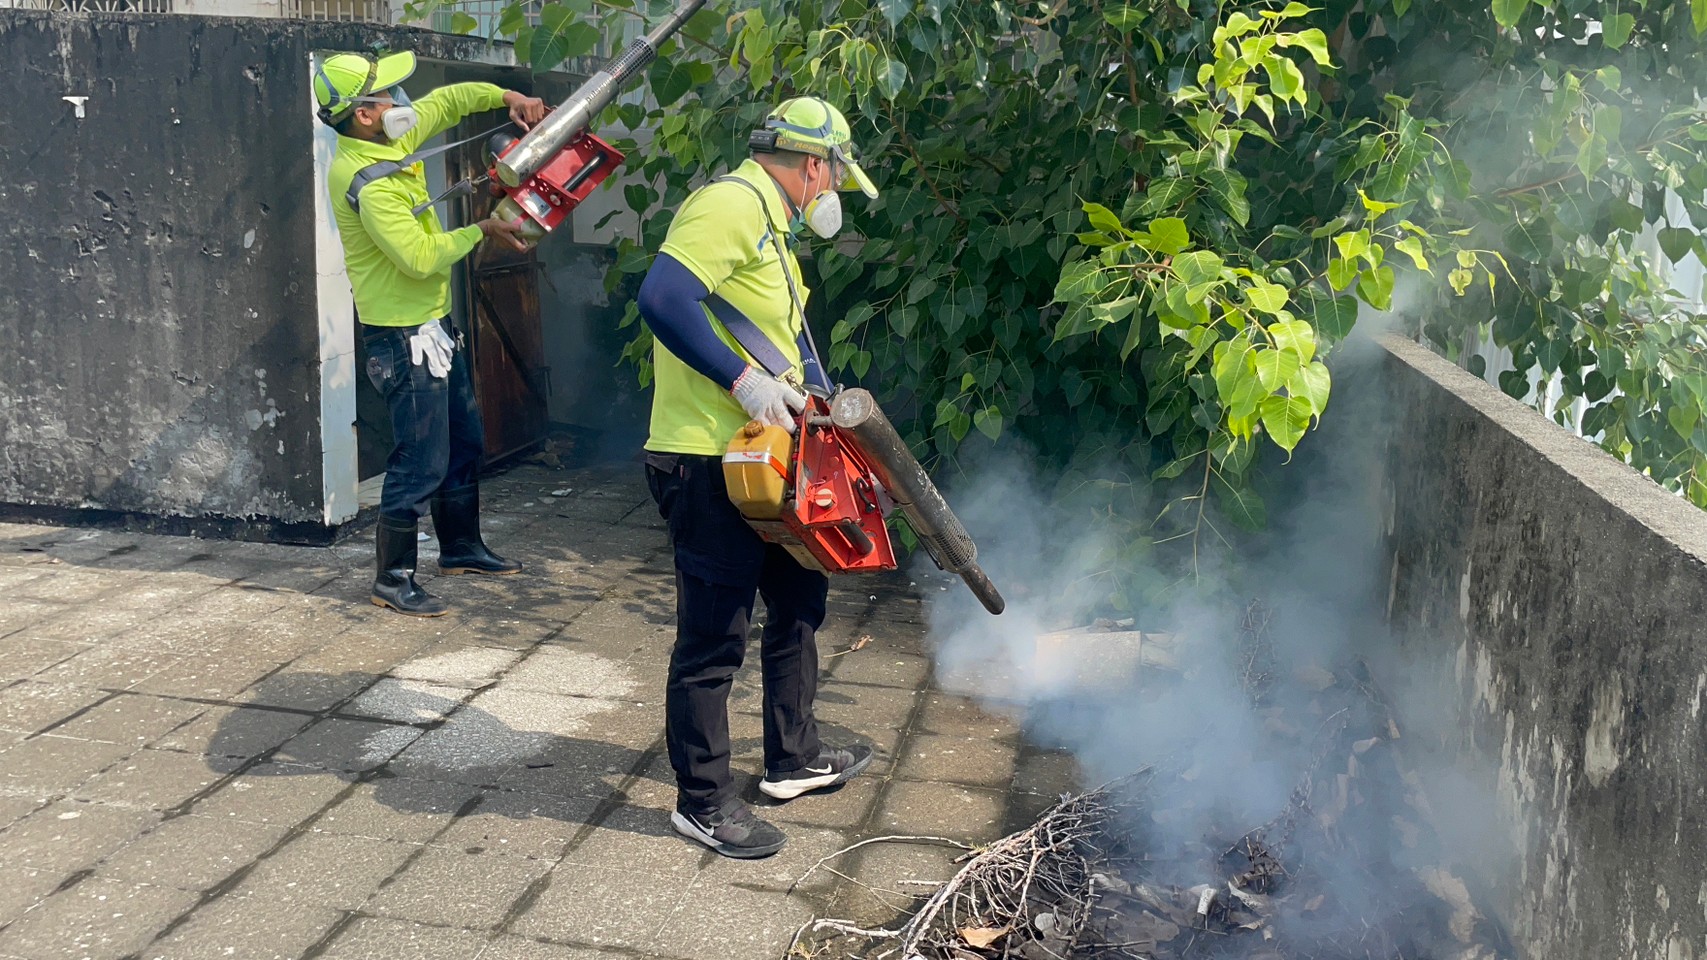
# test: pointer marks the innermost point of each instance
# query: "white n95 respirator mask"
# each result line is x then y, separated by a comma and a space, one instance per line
400, 117
824, 214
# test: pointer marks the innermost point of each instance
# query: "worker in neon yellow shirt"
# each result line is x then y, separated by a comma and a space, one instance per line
399, 261
726, 262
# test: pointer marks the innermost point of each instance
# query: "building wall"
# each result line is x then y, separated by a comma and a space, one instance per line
1566, 597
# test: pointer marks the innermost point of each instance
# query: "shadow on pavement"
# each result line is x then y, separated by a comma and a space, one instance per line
427, 749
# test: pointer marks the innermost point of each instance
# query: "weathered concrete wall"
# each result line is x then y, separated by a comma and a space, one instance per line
159, 336
156, 356
1568, 596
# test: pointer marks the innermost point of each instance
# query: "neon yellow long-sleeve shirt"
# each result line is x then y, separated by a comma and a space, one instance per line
399, 263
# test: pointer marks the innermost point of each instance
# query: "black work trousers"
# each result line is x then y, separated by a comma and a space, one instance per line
435, 424
720, 565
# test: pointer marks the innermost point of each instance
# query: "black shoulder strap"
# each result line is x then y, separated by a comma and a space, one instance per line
385, 168
744, 330
370, 173
749, 336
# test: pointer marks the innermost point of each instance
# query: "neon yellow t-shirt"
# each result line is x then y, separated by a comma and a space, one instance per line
719, 235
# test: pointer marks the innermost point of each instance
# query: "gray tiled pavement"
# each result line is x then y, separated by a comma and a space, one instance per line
214, 749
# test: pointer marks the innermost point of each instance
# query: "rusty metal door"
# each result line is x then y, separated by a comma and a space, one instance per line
501, 301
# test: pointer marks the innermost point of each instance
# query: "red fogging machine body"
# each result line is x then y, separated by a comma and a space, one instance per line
824, 493
566, 179
812, 493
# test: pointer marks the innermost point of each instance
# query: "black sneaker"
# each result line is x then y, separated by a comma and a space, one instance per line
834, 765
734, 832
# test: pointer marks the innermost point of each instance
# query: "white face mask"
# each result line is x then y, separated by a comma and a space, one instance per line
824, 214
398, 120
400, 117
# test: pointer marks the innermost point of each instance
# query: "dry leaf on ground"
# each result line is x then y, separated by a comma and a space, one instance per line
981, 937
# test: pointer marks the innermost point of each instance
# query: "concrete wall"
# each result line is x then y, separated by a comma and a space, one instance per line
1566, 597
158, 353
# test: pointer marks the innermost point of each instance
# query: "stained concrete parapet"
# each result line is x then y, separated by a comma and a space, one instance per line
1563, 596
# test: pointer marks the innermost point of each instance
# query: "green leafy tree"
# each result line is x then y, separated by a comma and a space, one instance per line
1577, 121
1127, 235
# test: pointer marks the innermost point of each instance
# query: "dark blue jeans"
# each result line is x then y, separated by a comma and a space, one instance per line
720, 565
435, 423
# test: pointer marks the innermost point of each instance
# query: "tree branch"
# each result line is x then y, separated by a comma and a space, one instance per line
1565, 177
1054, 12
1574, 172
919, 163
890, 839
1202, 499
629, 10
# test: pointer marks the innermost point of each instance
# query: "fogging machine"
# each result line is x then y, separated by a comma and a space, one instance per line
824, 493
546, 173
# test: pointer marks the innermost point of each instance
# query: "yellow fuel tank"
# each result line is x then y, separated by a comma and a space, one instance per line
756, 470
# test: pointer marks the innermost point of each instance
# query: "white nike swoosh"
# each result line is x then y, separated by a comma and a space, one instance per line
827, 769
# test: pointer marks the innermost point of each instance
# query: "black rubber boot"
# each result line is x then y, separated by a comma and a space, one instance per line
394, 586
456, 520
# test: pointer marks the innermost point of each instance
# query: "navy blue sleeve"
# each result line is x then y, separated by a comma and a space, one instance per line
815, 375
669, 301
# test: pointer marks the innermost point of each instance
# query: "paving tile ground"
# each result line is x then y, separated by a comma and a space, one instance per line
218, 749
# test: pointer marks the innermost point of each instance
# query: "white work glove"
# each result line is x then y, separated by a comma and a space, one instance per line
433, 346
767, 399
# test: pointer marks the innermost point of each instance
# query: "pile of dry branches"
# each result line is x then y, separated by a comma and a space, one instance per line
1144, 869
1257, 663
1315, 882
1027, 895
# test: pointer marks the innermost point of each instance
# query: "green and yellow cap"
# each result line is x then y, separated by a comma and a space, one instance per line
347, 79
812, 126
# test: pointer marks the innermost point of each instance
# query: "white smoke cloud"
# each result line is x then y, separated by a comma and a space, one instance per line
1186, 700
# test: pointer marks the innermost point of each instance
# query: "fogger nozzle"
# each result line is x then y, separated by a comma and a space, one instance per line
938, 529
577, 113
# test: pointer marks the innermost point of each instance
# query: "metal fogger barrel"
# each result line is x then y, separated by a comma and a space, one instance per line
938, 529
576, 114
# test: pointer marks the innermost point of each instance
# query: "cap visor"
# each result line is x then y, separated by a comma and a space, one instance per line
857, 180
393, 70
